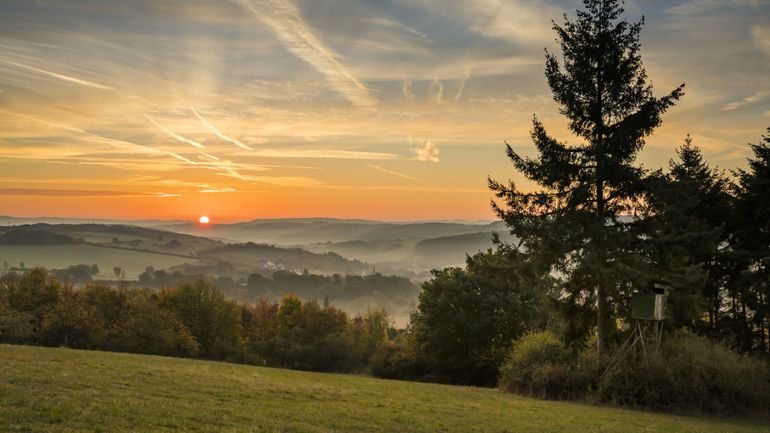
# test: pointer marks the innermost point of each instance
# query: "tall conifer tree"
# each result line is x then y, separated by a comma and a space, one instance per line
572, 223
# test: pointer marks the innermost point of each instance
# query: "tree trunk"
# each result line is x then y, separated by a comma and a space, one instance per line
601, 322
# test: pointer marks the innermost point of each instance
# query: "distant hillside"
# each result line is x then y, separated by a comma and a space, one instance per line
261, 256
34, 237
452, 250
310, 231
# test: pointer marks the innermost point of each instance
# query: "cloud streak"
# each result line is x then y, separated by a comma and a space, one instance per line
286, 21
206, 124
394, 173
759, 96
322, 154
58, 75
172, 134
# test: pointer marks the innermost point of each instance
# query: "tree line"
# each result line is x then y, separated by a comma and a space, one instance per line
192, 320
545, 314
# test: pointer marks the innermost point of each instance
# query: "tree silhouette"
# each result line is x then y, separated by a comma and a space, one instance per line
572, 223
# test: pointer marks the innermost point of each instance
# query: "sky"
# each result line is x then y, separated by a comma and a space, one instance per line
377, 109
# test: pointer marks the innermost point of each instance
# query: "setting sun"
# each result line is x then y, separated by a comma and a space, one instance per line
203, 220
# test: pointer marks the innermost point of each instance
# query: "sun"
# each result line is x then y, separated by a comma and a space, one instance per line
203, 220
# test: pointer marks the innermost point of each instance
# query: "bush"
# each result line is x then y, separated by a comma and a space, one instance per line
397, 360
540, 365
691, 375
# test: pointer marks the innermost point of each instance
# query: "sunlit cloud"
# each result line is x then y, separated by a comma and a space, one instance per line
393, 172
57, 75
217, 190
299, 38
759, 96
322, 154
217, 132
172, 134
210, 156
427, 152
77, 193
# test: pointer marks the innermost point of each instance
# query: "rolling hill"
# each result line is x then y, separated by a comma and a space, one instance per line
64, 390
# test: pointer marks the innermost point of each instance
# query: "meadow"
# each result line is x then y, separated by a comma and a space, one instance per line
61, 256
64, 390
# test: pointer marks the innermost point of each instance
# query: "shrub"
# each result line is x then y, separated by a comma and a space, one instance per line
540, 365
691, 375
397, 360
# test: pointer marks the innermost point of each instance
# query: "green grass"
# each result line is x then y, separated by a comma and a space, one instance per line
62, 390
62, 256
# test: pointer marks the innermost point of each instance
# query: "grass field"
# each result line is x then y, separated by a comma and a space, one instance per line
61, 256
62, 390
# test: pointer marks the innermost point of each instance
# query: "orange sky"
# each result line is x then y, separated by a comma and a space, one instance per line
360, 109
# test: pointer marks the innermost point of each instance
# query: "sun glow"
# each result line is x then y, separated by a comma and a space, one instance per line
203, 220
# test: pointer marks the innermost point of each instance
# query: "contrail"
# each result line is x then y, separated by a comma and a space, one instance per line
298, 37
172, 134
217, 132
207, 155
395, 173
59, 76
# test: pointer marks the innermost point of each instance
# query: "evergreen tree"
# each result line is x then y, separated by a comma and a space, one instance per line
685, 221
751, 292
573, 222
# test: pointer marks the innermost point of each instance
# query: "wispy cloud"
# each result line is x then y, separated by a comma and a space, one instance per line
172, 134
761, 37
58, 75
406, 89
322, 154
76, 193
209, 190
210, 156
436, 90
217, 132
759, 96
292, 29
393, 172
460, 89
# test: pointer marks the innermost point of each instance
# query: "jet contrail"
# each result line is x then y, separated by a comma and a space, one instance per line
395, 173
59, 76
299, 38
217, 132
172, 134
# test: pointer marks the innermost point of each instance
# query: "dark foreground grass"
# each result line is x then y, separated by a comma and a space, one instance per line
61, 390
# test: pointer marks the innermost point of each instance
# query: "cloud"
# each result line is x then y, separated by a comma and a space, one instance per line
57, 75
699, 7
75, 193
287, 22
322, 154
217, 132
436, 90
395, 173
172, 134
210, 156
406, 89
427, 152
209, 190
460, 89
761, 37
746, 101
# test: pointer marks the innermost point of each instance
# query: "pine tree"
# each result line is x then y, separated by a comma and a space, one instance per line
686, 210
573, 222
751, 293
